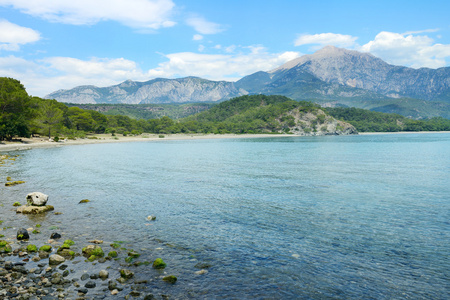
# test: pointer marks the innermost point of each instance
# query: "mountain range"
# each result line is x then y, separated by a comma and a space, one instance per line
331, 76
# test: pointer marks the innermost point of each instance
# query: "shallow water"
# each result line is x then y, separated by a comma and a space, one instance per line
295, 217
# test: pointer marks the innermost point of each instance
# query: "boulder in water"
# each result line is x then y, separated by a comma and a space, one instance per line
34, 210
37, 199
22, 234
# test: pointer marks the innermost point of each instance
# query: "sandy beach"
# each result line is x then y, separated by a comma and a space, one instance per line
43, 142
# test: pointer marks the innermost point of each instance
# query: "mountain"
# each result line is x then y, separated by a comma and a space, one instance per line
160, 90
335, 73
331, 76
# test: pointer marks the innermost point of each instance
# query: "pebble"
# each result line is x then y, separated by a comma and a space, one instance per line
90, 284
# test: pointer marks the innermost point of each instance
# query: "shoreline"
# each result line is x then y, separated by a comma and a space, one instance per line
42, 142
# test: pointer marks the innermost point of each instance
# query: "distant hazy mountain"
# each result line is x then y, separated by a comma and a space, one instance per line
331, 76
188, 89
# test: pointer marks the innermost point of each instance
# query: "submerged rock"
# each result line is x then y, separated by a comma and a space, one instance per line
22, 234
37, 199
55, 236
159, 264
170, 279
93, 252
5, 247
31, 209
11, 183
127, 274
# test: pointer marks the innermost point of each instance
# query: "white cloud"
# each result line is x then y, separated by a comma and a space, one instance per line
408, 49
12, 36
221, 66
204, 27
324, 39
48, 75
197, 37
147, 14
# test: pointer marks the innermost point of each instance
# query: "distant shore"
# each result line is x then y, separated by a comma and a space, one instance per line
43, 142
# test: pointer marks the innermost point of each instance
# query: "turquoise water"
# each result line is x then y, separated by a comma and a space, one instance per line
273, 218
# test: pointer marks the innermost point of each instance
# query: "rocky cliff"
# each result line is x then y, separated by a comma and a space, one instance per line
188, 89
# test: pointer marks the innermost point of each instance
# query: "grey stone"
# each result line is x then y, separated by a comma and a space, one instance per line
56, 259
90, 284
37, 199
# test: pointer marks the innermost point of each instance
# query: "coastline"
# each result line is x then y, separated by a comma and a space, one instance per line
43, 142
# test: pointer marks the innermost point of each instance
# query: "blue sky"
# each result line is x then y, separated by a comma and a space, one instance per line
59, 44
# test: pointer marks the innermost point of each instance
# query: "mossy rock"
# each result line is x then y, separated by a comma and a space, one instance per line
8, 178
46, 248
36, 231
95, 250
12, 183
69, 242
115, 245
5, 247
133, 254
127, 274
159, 264
92, 258
112, 254
30, 209
17, 204
32, 248
84, 201
170, 279
66, 253
64, 246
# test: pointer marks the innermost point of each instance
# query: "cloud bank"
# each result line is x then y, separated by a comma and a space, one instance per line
408, 49
42, 77
142, 14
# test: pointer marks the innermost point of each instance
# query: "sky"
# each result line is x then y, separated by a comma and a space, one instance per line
60, 44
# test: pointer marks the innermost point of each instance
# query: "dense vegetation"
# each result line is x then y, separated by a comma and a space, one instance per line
251, 114
147, 111
371, 121
22, 116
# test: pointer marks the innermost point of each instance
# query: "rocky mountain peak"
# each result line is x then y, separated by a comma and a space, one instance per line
326, 56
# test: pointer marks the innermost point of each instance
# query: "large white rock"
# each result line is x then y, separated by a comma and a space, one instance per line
37, 199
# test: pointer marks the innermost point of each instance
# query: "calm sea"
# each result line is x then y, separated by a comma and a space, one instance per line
344, 217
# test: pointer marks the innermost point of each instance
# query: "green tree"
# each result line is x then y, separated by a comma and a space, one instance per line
50, 115
15, 109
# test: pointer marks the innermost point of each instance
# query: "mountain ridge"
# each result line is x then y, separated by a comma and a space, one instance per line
330, 75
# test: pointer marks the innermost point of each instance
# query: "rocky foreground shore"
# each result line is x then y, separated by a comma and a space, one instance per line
52, 272
34, 267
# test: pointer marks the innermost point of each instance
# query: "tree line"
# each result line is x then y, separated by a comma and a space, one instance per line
372, 121
22, 116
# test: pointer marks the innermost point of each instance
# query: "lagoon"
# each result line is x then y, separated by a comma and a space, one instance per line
269, 218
